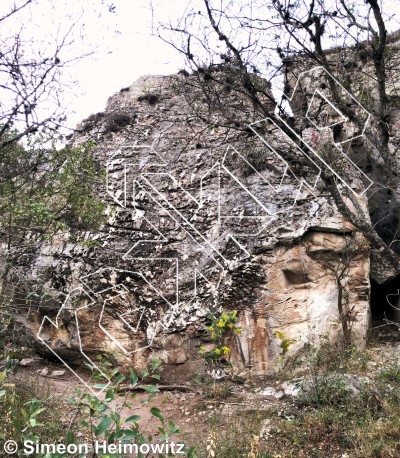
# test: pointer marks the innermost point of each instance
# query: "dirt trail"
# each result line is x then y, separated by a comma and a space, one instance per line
189, 410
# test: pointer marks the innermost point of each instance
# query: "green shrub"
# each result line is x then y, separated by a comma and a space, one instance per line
324, 390
221, 327
391, 372
29, 411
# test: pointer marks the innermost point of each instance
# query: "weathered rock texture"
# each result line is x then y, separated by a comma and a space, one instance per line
200, 218
308, 86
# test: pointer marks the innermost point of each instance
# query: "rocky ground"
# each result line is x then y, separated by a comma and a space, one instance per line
273, 417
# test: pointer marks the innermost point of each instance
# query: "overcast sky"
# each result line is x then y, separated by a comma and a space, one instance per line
126, 50
120, 39
126, 34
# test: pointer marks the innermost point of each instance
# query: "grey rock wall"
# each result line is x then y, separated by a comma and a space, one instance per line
200, 218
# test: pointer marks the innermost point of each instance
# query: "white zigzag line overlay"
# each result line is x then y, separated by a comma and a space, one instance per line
219, 166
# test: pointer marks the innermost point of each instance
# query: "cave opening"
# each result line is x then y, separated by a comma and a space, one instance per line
383, 302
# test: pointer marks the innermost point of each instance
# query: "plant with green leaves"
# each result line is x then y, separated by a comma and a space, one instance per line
45, 192
284, 344
102, 417
221, 328
25, 417
391, 371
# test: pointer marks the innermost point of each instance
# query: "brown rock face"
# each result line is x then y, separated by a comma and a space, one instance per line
201, 219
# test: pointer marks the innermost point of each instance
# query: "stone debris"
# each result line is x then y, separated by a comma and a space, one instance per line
43, 372
291, 389
27, 362
272, 393
58, 373
354, 384
217, 374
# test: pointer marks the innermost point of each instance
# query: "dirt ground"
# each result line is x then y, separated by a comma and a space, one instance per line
197, 410
193, 411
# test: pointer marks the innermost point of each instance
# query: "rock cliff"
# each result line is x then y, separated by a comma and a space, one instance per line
201, 217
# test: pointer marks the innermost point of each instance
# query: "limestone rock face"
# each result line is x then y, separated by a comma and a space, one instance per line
201, 218
355, 144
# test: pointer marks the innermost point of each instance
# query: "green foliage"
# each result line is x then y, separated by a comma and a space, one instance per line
366, 426
91, 243
332, 357
211, 389
26, 417
102, 415
44, 190
327, 420
324, 390
391, 372
20, 418
324, 383
217, 391
284, 343
222, 326
240, 438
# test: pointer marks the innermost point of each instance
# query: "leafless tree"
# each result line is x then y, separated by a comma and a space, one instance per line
247, 51
31, 70
39, 183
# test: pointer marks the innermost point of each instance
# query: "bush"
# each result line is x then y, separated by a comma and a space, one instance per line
391, 372
240, 439
330, 420
221, 327
29, 411
324, 390
34, 414
118, 121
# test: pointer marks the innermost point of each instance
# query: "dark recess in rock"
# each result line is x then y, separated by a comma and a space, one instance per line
152, 99
118, 121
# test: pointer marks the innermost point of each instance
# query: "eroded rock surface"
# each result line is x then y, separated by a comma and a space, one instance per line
200, 218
